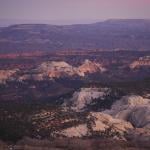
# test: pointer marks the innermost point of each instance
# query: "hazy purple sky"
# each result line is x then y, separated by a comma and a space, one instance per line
73, 9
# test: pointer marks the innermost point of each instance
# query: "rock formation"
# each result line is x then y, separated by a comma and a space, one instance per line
6, 75
86, 96
90, 67
97, 122
141, 62
133, 108
75, 131
57, 69
102, 121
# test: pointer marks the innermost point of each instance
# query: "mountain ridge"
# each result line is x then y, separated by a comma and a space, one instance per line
121, 34
96, 22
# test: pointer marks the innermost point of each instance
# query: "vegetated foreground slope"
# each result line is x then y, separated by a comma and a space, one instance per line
126, 34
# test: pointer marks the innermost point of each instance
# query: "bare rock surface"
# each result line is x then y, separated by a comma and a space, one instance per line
56, 69
75, 131
97, 122
7, 75
104, 121
134, 109
90, 67
86, 96
141, 62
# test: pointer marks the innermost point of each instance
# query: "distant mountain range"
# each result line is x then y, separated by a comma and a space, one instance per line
8, 22
114, 34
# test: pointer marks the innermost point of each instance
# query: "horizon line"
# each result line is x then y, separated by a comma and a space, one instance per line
59, 22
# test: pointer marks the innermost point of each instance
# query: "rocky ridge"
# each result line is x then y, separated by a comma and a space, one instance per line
51, 70
141, 62
56, 69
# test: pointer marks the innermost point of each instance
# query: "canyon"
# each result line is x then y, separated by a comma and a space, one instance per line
75, 86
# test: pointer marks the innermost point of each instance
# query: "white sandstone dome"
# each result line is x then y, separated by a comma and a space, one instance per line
130, 101
133, 108
134, 100
86, 96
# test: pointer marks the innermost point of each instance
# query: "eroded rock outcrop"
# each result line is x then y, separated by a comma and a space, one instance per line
133, 108
57, 69
85, 96
52, 69
90, 67
141, 62
6, 75
75, 131
102, 121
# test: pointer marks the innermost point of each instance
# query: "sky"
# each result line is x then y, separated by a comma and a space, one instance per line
73, 11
